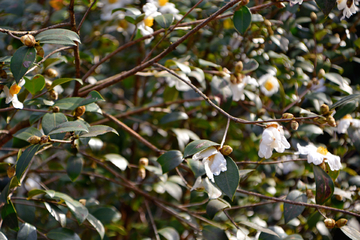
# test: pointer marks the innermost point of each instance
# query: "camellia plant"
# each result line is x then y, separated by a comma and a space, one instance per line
193, 119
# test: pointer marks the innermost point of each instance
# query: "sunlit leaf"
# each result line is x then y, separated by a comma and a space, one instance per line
197, 167
36, 84
174, 116
28, 132
73, 126
118, 160
351, 232
97, 225
345, 100
98, 130
169, 233
60, 81
58, 33
259, 228
27, 232
56, 212
215, 206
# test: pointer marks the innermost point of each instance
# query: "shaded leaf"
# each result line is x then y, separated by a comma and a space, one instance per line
326, 5
36, 84
170, 160
28, 132
324, 185
21, 61
197, 167
73, 126
351, 232
174, 116
97, 225
62, 233
94, 96
215, 206
74, 167
292, 211
25, 159
197, 146
164, 20
58, 33
9, 216
64, 80
57, 213
173, 189
27, 232
228, 181
51, 121
242, 19
345, 100
98, 130
69, 103
211, 233
259, 228
107, 215
117, 160
169, 233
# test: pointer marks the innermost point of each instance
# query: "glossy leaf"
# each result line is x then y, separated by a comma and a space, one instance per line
93, 96
211, 233
57, 213
326, 5
228, 181
170, 160
242, 19
25, 159
351, 232
21, 61
215, 206
36, 84
27, 232
69, 103
62, 233
51, 121
60, 81
164, 20
197, 167
250, 66
292, 211
73, 126
98, 130
107, 215
169, 233
344, 100
35, 192
174, 116
58, 34
74, 167
259, 228
28, 132
197, 146
97, 225
118, 160
324, 185
9, 216
173, 189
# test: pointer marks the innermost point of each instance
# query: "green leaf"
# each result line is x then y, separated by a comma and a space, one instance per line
170, 160
211, 233
21, 61
292, 211
61, 41
197, 146
324, 185
9, 216
250, 66
27, 232
107, 215
35, 116
173, 189
197, 167
118, 160
351, 232
215, 206
98, 130
242, 19
74, 167
62, 233
259, 228
174, 116
345, 109
25, 159
64, 80
69, 103
97, 225
73, 126
228, 181
35, 192
345, 100
164, 20
93, 96
36, 84
28, 132
134, 19
169, 233
57, 213
58, 34
326, 6
51, 121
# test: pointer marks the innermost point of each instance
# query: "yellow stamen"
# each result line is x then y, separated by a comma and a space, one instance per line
272, 125
347, 116
228, 24
149, 21
268, 85
163, 2
322, 150
14, 89
112, 1
123, 24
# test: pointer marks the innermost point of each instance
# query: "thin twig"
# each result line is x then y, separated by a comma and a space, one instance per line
231, 220
7, 31
152, 220
85, 15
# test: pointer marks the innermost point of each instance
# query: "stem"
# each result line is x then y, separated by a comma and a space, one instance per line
226, 130
152, 220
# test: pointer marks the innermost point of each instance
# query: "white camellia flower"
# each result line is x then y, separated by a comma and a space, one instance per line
268, 84
349, 7
213, 161
272, 138
293, 2
204, 183
165, 7
318, 155
345, 123
238, 89
11, 94
109, 5
144, 26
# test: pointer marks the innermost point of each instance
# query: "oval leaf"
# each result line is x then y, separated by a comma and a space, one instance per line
259, 228
210, 233
324, 185
64, 80
62, 233
69, 103
2, 236
77, 126
292, 211
57, 213
74, 167
51, 121
197, 146
36, 84
58, 33
216, 205
170, 160
97, 225
345, 100
169, 233
28, 132
107, 215
351, 232
117, 160
98, 130
174, 116
197, 167
9, 216
27, 232
25, 159
21, 61
228, 181
242, 19
164, 20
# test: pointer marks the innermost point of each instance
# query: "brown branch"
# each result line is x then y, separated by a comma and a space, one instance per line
7, 137
76, 48
7, 31
85, 15
152, 220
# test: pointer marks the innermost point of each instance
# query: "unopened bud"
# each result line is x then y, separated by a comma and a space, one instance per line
339, 197
279, 5
55, 109
324, 109
226, 150
321, 73
53, 95
321, 120
294, 125
82, 201
233, 79
313, 16
3, 74
323, 166
309, 193
10, 172
34, 139
309, 85
331, 121
341, 222
239, 67
243, 3
239, 77
267, 23
315, 81
28, 40
287, 116
40, 51
143, 161
329, 223
44, 139
261, 112
51, 72
48, 85
141, 173
79, 111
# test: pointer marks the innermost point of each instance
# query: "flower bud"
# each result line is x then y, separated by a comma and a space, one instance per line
53, 95
339, 197
321, 120
226, 150
243, 3
233, 79
34, 139
55, 109
141, 173
341, 222
261, 112
28, 40
51, 72
315, 81
309, 85
287, 116
309, 193
48, 85
79, 111
321, 73
329, 223
10, 171
313, 16
239, 67
40, 51
331, 121
44, 139
324, 109
82, 201
3, 73
294, 125
143, 161
267, 23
